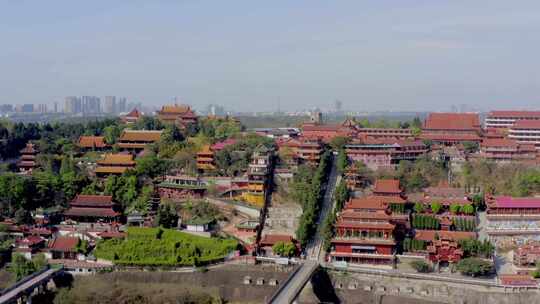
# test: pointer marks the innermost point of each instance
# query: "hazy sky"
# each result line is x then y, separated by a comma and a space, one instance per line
247, 55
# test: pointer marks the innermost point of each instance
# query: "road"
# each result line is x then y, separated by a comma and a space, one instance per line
293, 286
314, 248
31, 283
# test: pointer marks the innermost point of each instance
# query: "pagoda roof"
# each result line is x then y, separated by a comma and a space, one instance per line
117, 159
387, 186
111, 169
30, 148
366, 241
175, 109
515, 202
362, 225
452, 121
141, 135
91, 212
350, 213
429, 235
63, 243
92, 200
271, 239
526, 124
222, 144
133, 114
92, 142
514, 114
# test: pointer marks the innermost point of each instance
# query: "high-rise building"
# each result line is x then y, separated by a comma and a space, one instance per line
27, 108
55, 107
90, 105
121, 105
72, 105
6, 108
41, 108
109, 106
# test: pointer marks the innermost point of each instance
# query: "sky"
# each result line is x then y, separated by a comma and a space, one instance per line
401, 55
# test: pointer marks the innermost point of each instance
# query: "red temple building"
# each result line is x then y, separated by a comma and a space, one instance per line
205, 159
512, 219
181, 187
526, 132
384, 153
304, 150
137, 140
385, 133
92, 143
444, 195
365, 231
131, 117
27, 162
387, 187
269, 240
180, 115
92, 209
63, 247
326, 132
527, 255
506, 119
443, 246
114, 164
452, 128
508, 150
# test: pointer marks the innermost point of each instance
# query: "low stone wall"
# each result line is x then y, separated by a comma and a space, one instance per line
349, 286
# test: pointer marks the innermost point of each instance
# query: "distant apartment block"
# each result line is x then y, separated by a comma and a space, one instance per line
6, 108
91, 105
109, 105
72, 105
121, 105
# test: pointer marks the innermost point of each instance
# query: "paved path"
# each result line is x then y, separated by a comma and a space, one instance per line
13, 294
314, 248
288, 292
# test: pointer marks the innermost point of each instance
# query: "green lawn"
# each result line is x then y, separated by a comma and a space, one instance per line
163, 247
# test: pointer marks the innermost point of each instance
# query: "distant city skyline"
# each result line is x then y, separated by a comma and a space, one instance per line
250, 56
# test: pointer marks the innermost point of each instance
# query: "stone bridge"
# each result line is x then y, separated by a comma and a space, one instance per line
23, 290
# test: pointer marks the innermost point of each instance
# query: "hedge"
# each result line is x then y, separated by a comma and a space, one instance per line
163, 247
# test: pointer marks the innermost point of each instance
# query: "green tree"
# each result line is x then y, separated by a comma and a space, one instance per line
468, 209
475, 267
342, 161
21, 267
418, 207
421, 266
436, 207
455, 208
338, 142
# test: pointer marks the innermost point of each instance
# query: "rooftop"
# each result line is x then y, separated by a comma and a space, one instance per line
63, 243
514, 114
93, 200
117, 159
92, 142
526, 124
271, 239
429, 235
452, 121
141, 135
516, 202
387, 186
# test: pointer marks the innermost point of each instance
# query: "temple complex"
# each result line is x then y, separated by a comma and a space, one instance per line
27, 161
92, 209
512, 219
452, 128
384, 153
131, 117
181, 115
181, 187
114, 164
137, 140
92, 143
508, 150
